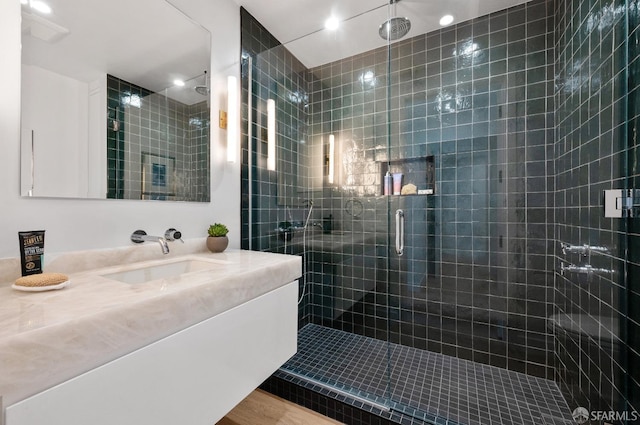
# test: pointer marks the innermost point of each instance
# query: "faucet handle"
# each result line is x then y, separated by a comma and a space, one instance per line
173, 235
136, 237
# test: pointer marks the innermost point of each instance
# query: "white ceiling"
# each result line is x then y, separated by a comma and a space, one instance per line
299, 24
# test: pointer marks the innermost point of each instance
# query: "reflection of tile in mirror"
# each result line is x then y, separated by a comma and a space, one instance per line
159, 172
157, 126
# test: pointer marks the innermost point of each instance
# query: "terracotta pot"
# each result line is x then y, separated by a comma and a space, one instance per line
217, 243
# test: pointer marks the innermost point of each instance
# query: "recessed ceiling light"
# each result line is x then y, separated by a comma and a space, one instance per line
178, 83
40, 6
332, 23
446, 20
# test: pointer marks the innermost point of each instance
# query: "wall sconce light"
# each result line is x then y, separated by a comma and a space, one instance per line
332, 153
271, 134
232, 118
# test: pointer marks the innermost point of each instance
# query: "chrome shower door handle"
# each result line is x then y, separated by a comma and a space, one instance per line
399, 232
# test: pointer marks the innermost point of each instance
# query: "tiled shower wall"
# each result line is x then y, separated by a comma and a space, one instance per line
277, 196
199, 159
476, 279
158, 126
592, 156
633, 242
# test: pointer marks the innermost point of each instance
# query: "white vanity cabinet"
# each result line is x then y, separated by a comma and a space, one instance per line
193, 377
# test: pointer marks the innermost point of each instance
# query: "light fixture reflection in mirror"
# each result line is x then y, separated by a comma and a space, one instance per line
271, 134
232, 118
37, 5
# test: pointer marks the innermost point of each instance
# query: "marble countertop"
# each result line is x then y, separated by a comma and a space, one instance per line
49, 337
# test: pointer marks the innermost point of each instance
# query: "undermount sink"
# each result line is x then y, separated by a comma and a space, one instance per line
162, 271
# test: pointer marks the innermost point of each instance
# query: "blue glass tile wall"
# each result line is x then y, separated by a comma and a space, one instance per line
633, 241
592, 155
270, 199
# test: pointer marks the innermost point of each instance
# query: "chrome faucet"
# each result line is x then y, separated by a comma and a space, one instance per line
140, 236
583, 249
587, 269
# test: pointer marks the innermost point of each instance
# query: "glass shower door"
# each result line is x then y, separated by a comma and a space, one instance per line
469, 131
408, 187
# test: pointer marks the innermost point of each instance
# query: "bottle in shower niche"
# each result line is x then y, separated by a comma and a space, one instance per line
397, 183
388, 181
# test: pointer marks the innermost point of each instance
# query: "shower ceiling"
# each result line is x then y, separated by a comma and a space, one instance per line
289, 21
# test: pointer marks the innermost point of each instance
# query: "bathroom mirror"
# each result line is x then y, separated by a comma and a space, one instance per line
115, 101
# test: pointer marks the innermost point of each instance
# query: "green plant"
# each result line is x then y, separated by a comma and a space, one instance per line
217, 230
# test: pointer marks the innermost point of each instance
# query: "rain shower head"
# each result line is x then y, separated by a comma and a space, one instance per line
203, 89
394, 28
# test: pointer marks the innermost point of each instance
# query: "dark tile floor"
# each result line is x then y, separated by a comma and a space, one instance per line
421, 386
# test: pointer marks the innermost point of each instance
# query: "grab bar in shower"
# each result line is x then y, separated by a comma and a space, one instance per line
583, 249
399, 232
588, 269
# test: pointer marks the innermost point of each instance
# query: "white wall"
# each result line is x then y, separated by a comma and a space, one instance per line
73, 224
59, 142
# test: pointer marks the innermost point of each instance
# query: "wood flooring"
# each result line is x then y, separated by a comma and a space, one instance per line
262, 408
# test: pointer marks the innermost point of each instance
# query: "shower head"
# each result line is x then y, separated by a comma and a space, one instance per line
203, 89
394, 28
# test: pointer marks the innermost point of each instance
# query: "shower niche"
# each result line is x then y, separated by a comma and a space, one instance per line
418, 171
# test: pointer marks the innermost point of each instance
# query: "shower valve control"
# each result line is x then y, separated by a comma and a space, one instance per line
622, 203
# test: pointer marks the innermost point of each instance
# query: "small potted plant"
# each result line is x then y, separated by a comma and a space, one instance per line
217, 240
